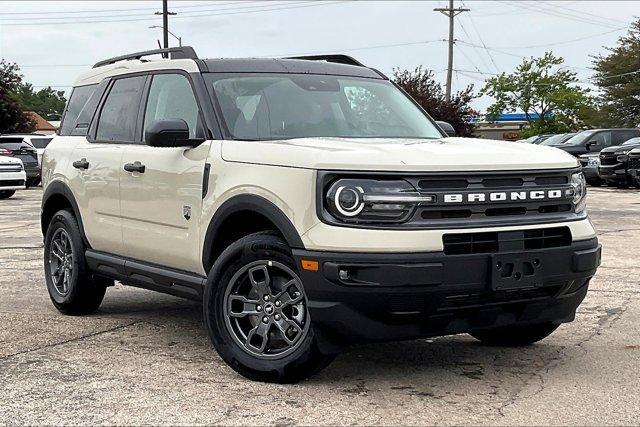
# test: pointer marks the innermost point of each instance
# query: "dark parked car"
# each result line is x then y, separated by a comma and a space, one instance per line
614, 161
634, 166
590, 163
593, 141
17, 147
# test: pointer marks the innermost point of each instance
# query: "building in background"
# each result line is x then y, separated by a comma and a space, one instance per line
42, 126
506, 127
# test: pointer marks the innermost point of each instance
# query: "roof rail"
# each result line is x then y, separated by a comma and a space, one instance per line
339, 59
183, 52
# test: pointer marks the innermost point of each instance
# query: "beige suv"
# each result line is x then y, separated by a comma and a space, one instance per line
309, 204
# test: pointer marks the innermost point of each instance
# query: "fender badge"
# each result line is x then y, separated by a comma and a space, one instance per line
186, 212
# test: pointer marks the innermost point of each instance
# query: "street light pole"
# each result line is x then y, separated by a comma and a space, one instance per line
176, 37
165, 23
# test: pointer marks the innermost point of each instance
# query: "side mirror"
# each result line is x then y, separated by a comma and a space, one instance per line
168, 133
446, 128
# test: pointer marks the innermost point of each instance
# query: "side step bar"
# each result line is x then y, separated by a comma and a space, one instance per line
145, 275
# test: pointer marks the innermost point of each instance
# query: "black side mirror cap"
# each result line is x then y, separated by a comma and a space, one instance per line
446, 128
168, 133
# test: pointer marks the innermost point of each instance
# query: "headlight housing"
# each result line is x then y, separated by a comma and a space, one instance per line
366, 201
579, 185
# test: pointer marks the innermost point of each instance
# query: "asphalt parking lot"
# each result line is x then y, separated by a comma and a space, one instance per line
145, 358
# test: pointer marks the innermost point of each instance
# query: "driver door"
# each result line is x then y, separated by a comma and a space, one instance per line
161, 202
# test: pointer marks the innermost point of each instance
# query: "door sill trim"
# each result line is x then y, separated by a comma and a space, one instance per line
146, 275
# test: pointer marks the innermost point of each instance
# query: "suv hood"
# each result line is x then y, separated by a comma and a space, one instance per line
619, 148
446, 154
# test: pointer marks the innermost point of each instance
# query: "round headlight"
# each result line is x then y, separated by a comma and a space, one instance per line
348, 200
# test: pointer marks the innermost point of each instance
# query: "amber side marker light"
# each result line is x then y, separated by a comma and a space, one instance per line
309, 265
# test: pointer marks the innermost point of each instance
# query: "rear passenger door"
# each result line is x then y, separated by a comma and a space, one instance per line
98, 162
161, 205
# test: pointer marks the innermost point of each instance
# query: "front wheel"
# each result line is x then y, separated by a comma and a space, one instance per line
515, 336
256, 312
7, 193
71, 288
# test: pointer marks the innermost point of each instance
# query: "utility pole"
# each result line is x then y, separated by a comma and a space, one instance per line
165, 23
451, 13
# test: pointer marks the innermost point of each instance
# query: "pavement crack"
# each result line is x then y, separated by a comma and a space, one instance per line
70, 340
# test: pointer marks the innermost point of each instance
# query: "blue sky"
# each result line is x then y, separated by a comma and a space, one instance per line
55, 41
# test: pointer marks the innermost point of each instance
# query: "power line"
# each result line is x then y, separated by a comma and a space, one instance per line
53, 12
314, 4
583, 12
560, 14
475, 28
256, 7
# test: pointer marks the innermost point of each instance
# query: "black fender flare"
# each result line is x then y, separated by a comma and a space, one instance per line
59, 188
254, 203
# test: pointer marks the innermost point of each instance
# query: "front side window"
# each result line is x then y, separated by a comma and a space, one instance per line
285, 106
119, 113
77, 101
171, 97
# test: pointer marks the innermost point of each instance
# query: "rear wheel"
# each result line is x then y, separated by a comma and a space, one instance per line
7, 193
256, 312
71, 287
515, 336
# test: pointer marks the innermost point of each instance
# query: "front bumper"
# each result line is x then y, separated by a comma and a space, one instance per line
590, 172
405, 296
615, 172
12, 180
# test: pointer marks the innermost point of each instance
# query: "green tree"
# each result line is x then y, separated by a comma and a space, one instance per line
12, 113
617, 74
544, 91
47, 102
427, 92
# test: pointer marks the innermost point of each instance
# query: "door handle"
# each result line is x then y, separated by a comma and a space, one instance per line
81, 164
134, 167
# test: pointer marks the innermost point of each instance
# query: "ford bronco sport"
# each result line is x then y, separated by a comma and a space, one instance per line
309, 204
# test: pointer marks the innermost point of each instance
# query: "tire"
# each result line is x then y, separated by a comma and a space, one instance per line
236, 336
594, 182
515, 336
79, 293
6, 194
33, 182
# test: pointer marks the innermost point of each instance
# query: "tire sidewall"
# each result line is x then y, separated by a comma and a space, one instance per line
253, 248
65, 220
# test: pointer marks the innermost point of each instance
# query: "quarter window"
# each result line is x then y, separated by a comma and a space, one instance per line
77, 101
171, 97
119, 113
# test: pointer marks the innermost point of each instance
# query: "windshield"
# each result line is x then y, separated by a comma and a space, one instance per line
555, 139
284, 106
633, 141
579, 138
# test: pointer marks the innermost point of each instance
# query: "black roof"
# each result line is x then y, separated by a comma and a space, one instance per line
292, 66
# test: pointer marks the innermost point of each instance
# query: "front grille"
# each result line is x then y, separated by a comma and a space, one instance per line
12, 168
608, 159
480, 243
11, 183
497, 198
634, 163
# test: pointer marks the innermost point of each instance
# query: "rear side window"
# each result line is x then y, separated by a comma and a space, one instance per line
77, 101
119, 113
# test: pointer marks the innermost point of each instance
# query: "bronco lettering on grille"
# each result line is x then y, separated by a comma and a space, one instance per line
501, 196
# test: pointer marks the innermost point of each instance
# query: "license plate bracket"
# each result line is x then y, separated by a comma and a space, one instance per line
516, 271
